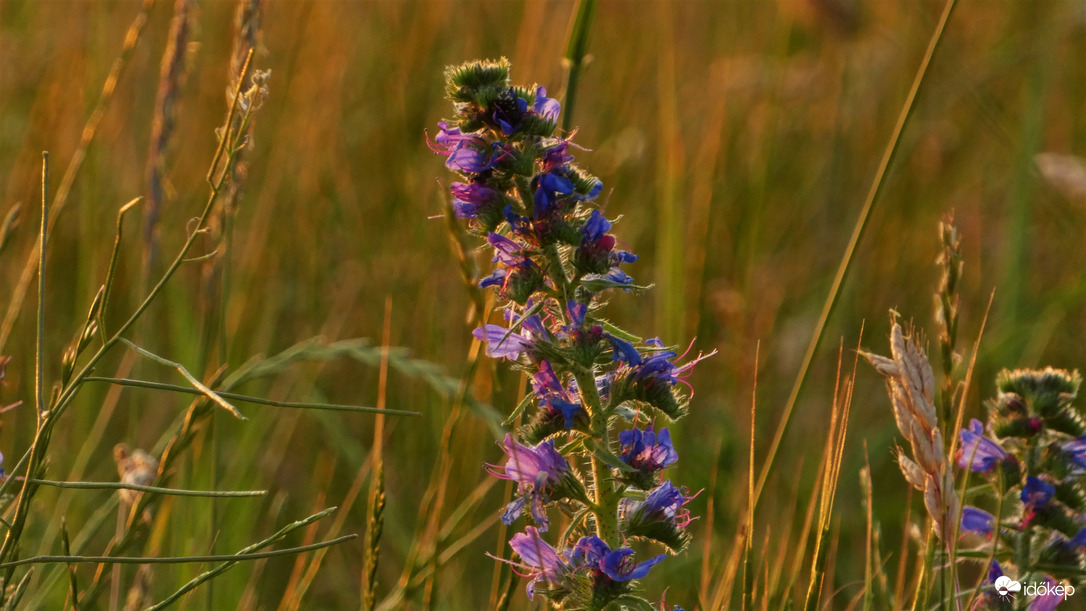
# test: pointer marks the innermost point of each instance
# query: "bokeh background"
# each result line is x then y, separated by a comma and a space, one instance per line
737, 140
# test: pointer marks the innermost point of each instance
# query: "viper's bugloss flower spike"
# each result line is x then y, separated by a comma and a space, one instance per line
554, 262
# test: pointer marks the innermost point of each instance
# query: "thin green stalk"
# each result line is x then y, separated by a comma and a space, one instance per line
73, 585
154, 489
251, 399
854, 241
112, 269
576, 51
41, 436
231, 558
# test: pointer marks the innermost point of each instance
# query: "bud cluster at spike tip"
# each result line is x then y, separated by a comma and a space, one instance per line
597, 391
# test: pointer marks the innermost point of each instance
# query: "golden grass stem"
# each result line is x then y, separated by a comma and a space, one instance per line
39, 375
854, 241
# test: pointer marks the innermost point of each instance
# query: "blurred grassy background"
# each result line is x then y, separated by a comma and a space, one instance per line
737, 139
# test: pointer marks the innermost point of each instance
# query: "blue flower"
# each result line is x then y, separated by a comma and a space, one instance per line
977, 452
624, 351
978, 521
1079, 539
548, 187
1035, 495
647, 451
617, 565
1077, 449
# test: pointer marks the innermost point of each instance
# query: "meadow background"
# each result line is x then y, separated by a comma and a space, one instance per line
736, 139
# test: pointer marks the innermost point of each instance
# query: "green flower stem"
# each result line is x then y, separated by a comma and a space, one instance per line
605, 497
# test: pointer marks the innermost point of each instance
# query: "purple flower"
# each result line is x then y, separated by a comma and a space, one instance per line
510, 109
577, 311
977, 521
541, 560
548, 108
557, 155
1051, 596
502, 343
522, 278
537, 470
647, 450
616, 565
469, 197
665, 503
614, 278
977, 452
506, 251
1077, 449
448, 138
466, 152
553, 395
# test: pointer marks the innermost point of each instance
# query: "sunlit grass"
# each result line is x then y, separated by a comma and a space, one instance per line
738, 141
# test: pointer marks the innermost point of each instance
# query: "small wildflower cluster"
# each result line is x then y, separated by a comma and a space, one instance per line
588, 444
1032, 457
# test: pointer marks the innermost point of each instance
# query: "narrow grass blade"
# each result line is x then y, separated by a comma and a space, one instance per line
575, 59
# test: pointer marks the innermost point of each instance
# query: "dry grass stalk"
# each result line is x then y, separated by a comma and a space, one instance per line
171, 78
910, 383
